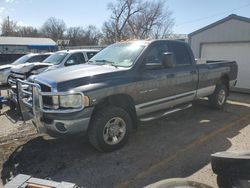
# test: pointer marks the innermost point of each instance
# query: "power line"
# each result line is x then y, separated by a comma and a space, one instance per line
204, 18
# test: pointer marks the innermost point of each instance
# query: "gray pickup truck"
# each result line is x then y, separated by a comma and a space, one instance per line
125, 83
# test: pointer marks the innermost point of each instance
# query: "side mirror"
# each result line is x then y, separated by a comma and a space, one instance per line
167, 59
70, 62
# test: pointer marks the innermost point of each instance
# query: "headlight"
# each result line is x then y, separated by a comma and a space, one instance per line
70, 101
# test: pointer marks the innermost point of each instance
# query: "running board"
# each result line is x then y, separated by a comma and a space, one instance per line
160, 114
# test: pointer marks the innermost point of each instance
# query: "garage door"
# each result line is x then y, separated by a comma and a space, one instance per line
239, 52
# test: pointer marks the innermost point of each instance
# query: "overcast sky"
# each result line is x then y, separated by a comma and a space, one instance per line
189, 15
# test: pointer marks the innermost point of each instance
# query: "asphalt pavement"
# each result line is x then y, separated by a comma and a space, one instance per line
178, 145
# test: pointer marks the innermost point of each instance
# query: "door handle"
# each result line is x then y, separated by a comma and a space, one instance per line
170, 76
193, 72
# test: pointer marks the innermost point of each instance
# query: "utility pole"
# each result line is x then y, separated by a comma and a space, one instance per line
8, 25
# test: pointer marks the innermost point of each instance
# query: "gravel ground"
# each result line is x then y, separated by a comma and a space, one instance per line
178, 145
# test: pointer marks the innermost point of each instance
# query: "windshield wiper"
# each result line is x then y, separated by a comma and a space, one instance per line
106, 62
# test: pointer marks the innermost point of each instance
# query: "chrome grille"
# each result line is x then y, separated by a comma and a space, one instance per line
31, 95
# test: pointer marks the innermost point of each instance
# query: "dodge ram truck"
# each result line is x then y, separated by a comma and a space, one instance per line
125, 83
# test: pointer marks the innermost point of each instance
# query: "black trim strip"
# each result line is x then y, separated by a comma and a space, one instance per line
167, 100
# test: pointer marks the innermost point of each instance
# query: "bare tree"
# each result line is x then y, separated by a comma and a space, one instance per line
27, 31
92, 35
83, 36
154, 21
9, 27
54, 28
121, 11
75, 35
141, 19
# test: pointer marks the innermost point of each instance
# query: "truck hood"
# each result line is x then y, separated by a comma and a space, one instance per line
5, 66
74, 76
26, 67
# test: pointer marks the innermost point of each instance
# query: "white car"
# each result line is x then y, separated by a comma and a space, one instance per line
59, 59
29, 58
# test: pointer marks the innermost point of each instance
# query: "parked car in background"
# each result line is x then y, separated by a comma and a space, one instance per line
29, 58
124, 83
59, 59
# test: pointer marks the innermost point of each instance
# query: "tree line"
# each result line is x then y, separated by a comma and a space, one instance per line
129, 19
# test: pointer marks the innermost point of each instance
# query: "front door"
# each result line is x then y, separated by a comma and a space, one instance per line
156, 83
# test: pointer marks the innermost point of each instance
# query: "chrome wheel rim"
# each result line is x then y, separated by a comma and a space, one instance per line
221, 97
114, 131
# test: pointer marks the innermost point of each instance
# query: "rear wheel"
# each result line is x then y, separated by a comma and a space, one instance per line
109, 129
218, 99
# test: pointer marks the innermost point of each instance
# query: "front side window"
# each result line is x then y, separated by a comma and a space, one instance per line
181, 54
155, 54
76, 58
56, 58
119, 54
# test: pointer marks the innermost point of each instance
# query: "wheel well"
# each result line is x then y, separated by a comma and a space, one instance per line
120, 100
225, 79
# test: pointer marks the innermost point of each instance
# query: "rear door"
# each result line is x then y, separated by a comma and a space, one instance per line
186, 74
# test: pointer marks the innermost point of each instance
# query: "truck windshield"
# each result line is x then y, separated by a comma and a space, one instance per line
56, 58
118, 55
22, 60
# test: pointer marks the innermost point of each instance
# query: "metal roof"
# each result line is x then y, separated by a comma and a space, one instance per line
79, 50
26, 41
232, 16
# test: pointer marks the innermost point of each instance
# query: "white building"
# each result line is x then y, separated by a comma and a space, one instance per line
226, 39
23, 45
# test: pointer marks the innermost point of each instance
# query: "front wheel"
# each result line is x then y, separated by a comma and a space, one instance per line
109, 129
218, 99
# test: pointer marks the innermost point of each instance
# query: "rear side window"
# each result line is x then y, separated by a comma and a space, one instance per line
78, 58
37, 58
91, 54
181, 54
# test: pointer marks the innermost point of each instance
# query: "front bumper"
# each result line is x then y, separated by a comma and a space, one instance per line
59, 124
53, 122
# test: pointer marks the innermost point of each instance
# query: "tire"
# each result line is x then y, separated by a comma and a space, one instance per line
231, 164
106, 135
177, 182
224, 181
218, 99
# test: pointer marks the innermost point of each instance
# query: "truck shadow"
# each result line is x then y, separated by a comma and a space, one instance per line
142, 161
13, 116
